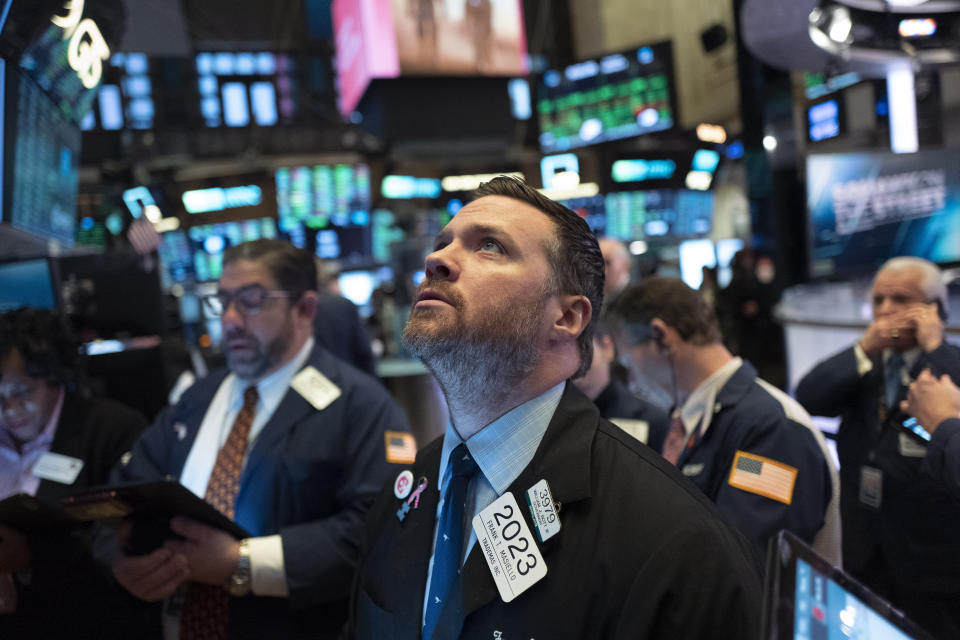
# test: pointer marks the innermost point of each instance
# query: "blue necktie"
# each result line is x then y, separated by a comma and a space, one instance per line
892, 378
449, 547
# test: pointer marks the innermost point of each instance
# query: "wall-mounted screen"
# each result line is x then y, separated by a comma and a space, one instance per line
43, 173
321, 195
208, 242
392, 38
27, 283
868, 207
617, 96
636, 215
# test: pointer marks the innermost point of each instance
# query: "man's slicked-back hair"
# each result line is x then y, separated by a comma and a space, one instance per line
294, 269
574, 257
674, 303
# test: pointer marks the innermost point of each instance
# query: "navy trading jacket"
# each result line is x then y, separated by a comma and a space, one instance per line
640, 552
310, 477
914, 529
765, 466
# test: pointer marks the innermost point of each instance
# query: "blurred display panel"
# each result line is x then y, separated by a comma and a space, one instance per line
636, 215
868, 207
617, 96
318, 196
394, 38
44, 167
208, 242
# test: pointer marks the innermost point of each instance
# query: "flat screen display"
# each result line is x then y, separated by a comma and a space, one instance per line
208, 242
636, 215
806, 598
46, 62
393, 38
44, 169
322, 195
617, 96
27, 283
865, 208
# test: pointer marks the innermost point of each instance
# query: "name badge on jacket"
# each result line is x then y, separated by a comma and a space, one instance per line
57, 467
509, 548
316, 388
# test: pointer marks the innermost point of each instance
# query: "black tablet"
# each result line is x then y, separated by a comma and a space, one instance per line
150, 505
806, 598
26, 513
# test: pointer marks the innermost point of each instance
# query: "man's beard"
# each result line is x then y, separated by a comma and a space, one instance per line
261, 358
481, 362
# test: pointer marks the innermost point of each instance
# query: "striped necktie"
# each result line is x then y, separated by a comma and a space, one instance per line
205, 606
676, 439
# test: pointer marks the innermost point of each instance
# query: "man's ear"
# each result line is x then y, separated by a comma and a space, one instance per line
662, 334
307, 304
575, 315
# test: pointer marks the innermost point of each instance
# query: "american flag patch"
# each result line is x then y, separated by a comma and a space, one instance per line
401, 447
763, 476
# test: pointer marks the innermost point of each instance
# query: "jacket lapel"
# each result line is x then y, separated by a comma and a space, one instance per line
410, 554
68, 440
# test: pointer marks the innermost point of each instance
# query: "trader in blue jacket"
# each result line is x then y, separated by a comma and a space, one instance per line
748, 446
290, 442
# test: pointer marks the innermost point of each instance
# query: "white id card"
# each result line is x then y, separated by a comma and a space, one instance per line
871, 487
58, 468
315, 388
511, 552
542, 511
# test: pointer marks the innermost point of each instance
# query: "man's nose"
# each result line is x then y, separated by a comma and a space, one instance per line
231, 316
442, 264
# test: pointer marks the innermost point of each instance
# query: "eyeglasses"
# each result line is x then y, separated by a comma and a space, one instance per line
250, 300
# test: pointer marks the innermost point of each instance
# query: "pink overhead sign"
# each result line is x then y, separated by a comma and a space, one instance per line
390, 38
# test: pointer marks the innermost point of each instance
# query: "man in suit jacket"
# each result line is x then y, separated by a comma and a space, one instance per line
899, 525
338, 328
49, 583
317, 439
503, 319
642, 419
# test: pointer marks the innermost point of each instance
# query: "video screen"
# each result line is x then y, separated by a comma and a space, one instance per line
176, 257
46, 62
593, 209
868, 207
323, 195
208, 242
825, 610
393, 38
27, 283
617, 96
636, 215
44, 167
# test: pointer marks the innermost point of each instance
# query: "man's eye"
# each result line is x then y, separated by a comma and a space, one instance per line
490, 245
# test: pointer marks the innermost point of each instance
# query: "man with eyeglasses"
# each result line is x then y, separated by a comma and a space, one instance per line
290, 442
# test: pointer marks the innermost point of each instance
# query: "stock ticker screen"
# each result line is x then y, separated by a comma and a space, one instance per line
617, 96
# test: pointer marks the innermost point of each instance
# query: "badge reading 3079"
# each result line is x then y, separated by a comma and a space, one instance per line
511, 552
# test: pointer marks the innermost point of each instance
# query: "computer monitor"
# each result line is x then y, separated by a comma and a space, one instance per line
805, 598
27, 283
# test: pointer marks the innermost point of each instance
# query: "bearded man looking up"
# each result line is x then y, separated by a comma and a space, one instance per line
624, 547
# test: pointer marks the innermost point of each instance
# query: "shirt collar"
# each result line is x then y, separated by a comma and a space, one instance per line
698, 409
910, 357
277, 381
505, 447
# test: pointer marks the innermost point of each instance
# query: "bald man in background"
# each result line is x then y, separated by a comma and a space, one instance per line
616, 266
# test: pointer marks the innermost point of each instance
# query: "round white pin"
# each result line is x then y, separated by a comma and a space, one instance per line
403, 485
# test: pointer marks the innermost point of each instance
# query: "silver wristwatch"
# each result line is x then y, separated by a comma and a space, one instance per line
238, 584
